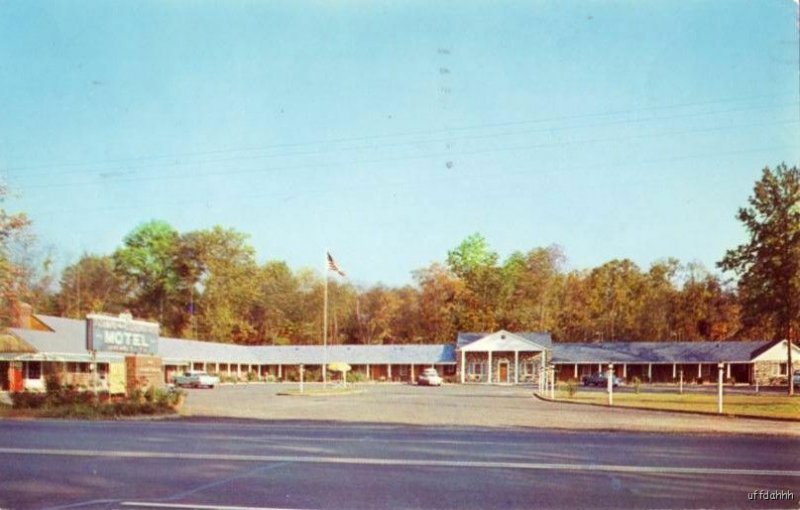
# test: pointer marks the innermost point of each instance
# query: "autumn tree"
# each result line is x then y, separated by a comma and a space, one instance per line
224, 273
14, 227
768, 264
90, 285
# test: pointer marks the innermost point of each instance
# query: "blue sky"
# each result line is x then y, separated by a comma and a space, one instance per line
389, 131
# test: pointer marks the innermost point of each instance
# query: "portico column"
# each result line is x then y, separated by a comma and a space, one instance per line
490, 367
650, 372
389, 371
542, 373
369, 372
575, 371
624, 370
463, 365
412, 373
699, 370
280, 372
674, 370
728, 370
516, 367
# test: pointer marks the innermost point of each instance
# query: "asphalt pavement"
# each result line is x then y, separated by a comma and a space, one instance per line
216, 463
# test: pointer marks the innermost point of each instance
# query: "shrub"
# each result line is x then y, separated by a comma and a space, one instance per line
572, 388
252, 376
52, 383
28, 400
356, 377
637, 384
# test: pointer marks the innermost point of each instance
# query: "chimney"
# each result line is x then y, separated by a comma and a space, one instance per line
23, 312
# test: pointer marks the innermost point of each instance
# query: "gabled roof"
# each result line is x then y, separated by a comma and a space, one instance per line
542, 339
779, 348
502, 341
655, 352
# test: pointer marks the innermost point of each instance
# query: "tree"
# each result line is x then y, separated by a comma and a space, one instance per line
222, 264
147, 263
13, 228
90, 285
769, 263
472, 254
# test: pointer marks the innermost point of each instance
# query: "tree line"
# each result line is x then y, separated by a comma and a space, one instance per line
207, 284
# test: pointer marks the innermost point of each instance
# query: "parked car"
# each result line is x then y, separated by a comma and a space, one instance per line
796, 379
429, 377
196, 379
599, 379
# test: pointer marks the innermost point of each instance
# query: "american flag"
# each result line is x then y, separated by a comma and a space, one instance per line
333, 267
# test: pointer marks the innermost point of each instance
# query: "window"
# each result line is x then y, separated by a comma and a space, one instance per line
476, 368
34, 370
528, 367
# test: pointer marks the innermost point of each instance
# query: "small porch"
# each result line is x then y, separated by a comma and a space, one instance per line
502, 358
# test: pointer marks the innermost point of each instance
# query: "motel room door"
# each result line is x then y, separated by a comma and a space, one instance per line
503, 372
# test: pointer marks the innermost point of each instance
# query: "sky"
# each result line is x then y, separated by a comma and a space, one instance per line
387, 132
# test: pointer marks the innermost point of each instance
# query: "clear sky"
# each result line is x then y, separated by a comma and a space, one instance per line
389, 131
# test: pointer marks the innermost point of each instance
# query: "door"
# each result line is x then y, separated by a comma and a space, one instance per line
15, 377
503, 372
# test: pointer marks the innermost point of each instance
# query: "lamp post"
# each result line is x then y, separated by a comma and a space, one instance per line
720, 367
301, 377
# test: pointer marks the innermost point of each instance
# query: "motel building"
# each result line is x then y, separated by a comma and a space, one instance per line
116, 353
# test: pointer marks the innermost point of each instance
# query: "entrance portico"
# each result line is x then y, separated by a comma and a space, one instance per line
501, 358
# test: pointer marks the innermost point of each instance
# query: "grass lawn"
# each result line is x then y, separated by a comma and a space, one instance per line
773, 406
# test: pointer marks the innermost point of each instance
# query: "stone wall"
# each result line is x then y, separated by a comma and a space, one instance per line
767, 373
143, 372
527, 374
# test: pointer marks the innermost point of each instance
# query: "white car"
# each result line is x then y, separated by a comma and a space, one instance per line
196, 379
429, 377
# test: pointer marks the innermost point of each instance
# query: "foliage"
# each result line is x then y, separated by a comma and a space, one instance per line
356, 377
63, 402
637, 384
571, 387
769, 263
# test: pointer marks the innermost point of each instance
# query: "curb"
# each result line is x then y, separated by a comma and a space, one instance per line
675, 411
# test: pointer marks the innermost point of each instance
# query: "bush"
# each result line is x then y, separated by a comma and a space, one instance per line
252, 376
572, 388
52, 383
637, 384
356, 377
28, 400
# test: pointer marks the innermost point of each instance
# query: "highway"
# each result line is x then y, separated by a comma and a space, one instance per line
215, 463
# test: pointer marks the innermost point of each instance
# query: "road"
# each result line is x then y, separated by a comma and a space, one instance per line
336, 465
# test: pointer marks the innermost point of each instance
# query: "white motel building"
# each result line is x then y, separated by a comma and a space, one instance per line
123, 349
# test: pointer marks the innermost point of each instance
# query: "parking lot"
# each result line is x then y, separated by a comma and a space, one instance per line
467, 405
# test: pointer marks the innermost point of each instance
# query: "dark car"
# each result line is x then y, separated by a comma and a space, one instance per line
796, 379
599, 379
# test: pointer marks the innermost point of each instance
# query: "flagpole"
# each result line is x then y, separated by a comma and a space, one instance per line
325, 323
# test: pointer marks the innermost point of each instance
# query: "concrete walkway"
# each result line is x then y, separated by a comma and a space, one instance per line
468, 405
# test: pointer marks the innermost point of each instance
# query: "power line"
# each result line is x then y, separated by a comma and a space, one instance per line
51, 166
471, 152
